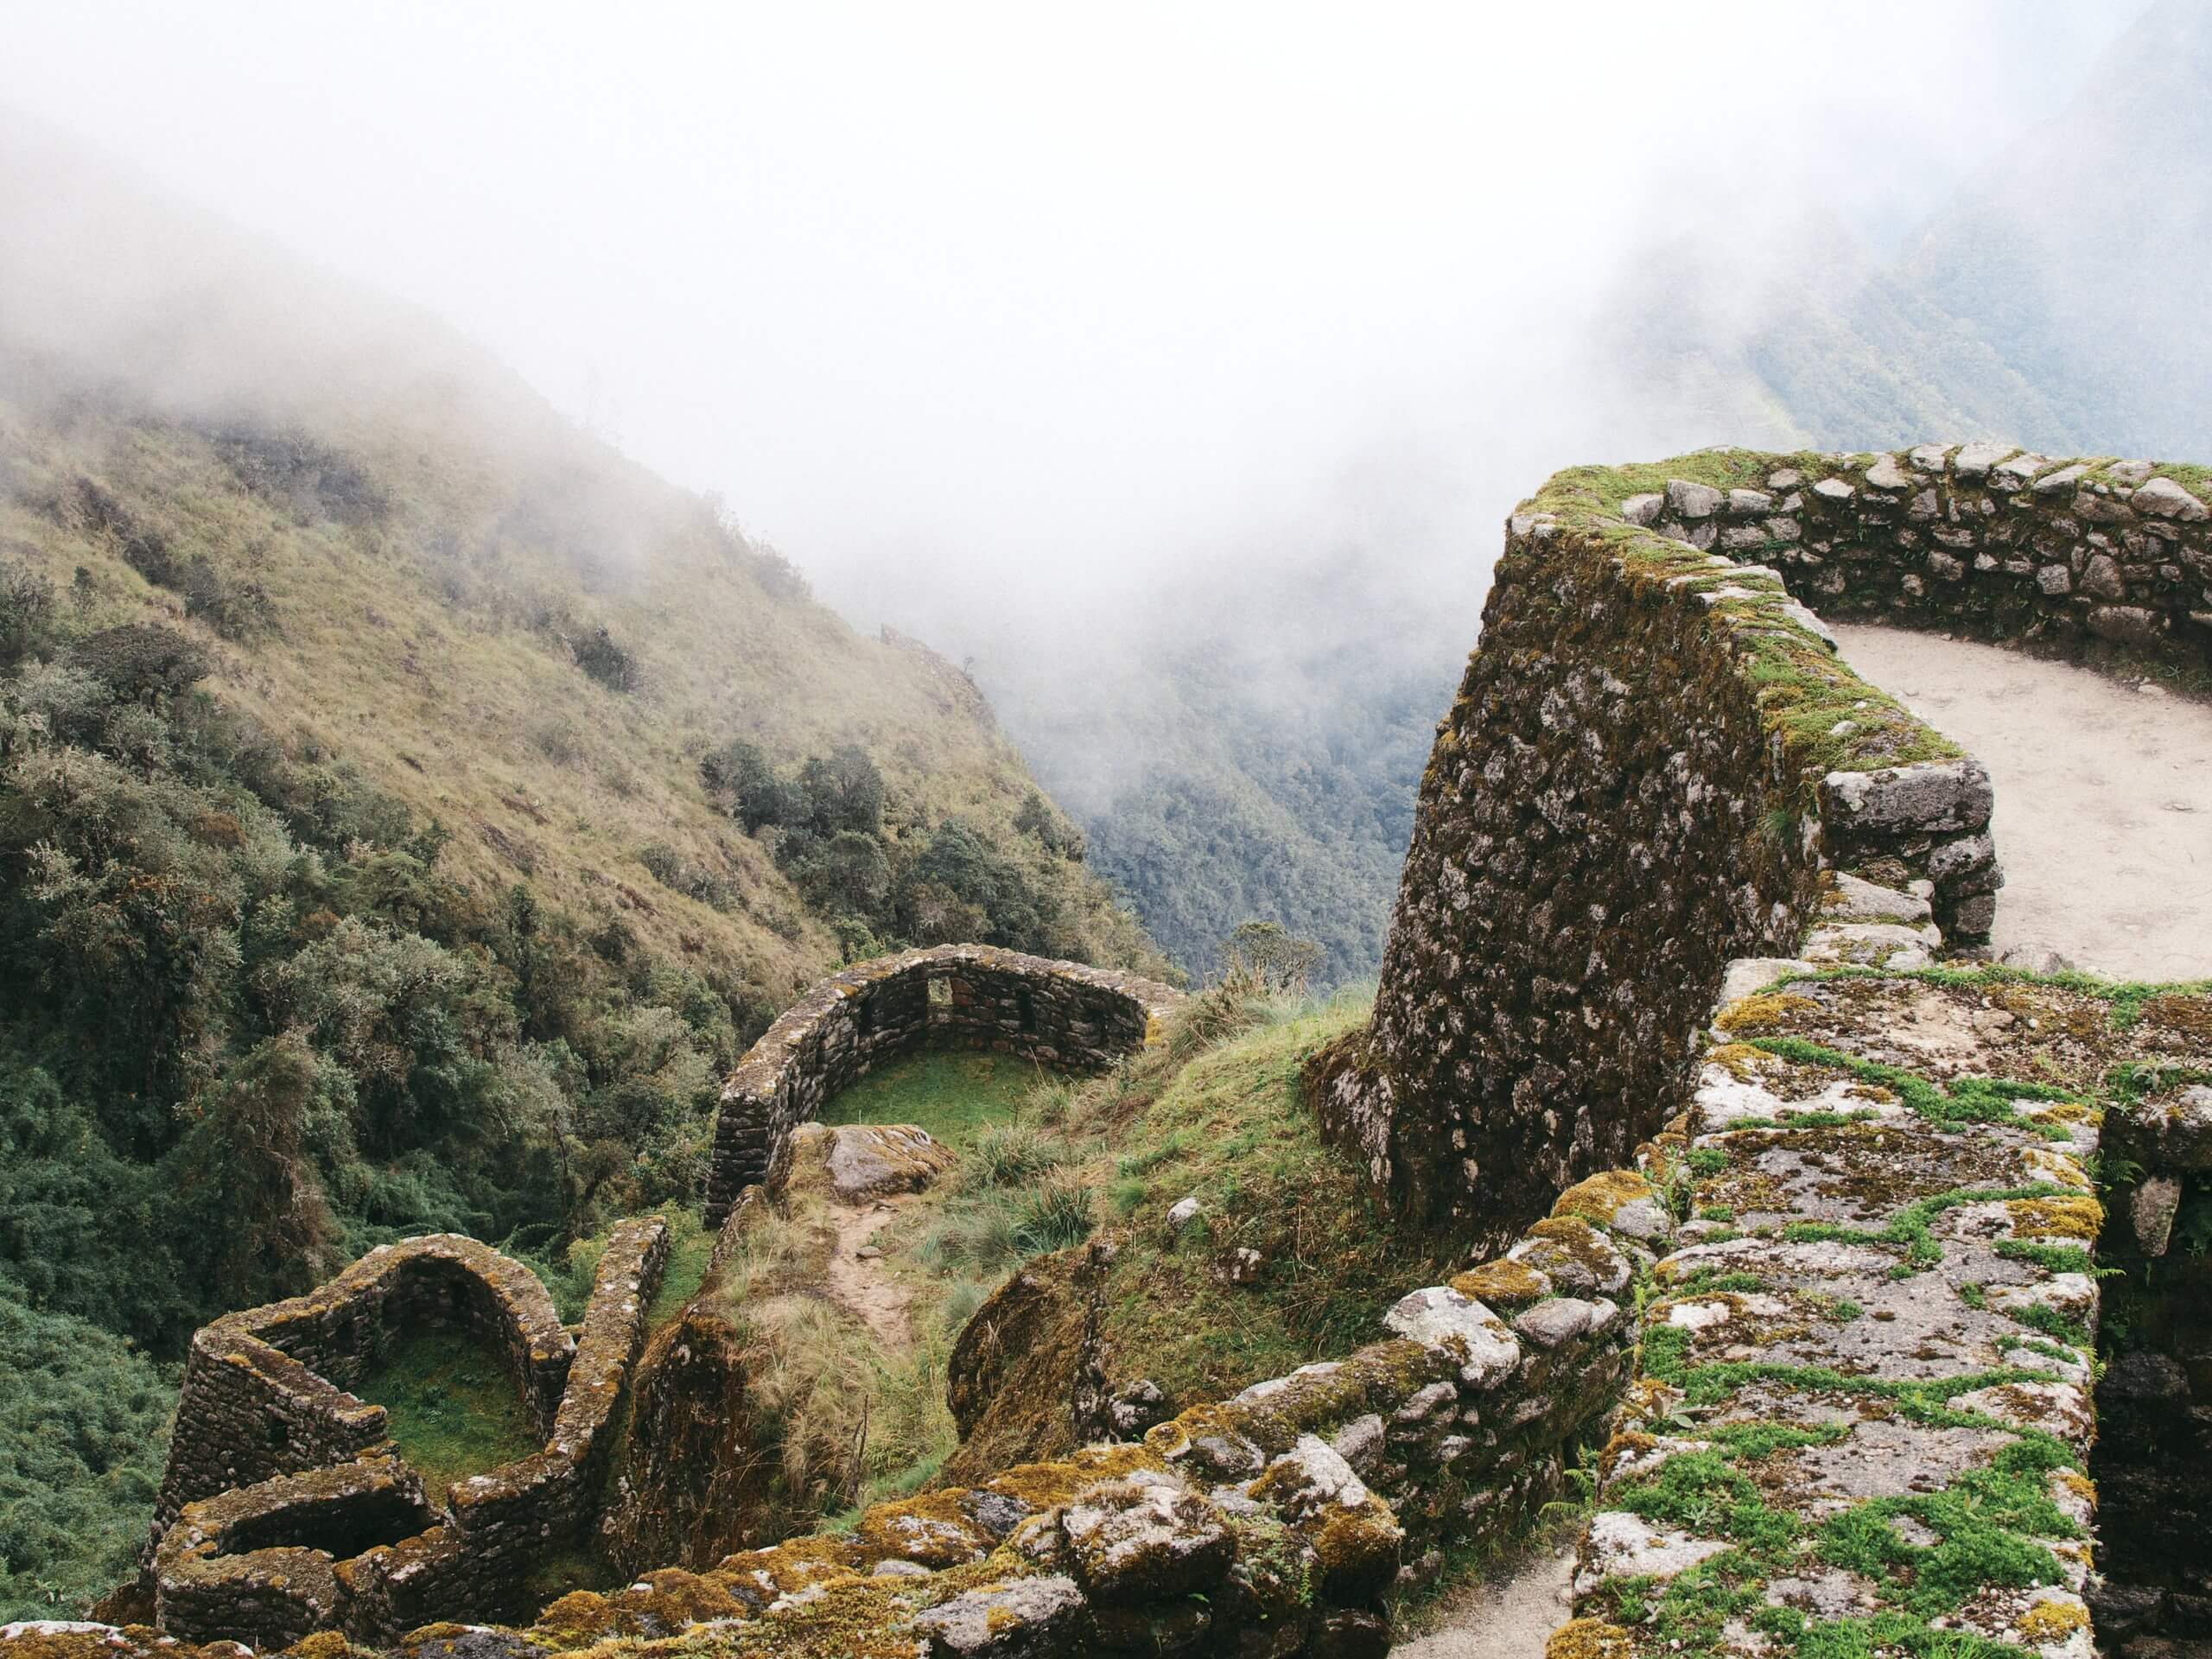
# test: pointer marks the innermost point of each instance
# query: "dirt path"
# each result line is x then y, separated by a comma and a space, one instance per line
2104, 798
866, 1284
1508, 1616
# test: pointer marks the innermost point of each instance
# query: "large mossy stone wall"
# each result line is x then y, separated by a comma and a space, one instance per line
1655, 755
1604, 821
1063, 1014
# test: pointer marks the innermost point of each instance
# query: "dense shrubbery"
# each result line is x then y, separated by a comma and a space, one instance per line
84, 1427
254, 1030
885, 886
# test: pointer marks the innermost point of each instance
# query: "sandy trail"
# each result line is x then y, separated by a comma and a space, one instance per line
865, 1284
2104, 797
1508, 1616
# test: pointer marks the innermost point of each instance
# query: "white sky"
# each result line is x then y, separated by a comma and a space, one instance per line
997, 296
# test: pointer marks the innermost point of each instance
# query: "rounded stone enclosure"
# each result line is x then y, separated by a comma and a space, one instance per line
1061, 1015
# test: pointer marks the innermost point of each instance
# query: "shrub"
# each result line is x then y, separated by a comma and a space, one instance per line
603, 657
1011, 1155
26, 611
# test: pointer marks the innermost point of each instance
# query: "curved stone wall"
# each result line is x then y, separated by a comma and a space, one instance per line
286, 1508
1656, 760
1059, 1013
1981, 539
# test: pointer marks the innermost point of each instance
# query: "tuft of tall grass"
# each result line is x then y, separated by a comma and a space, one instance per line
1058, 1216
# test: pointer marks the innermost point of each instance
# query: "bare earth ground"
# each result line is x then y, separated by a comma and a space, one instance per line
2104, 797
865, 1284
1505, 1616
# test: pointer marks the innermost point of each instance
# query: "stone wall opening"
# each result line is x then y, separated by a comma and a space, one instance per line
342, 1527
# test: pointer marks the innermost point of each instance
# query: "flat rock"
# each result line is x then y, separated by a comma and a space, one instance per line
1976, 459
2164, 499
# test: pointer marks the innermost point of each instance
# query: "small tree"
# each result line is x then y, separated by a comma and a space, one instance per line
1269, 958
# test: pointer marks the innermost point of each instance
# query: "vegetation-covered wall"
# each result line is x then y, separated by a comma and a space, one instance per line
1655, 752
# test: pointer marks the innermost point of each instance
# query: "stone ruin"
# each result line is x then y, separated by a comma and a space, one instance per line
1061, 1015
285, 1508
1788, 1214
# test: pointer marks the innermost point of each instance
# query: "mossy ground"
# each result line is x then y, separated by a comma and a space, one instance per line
952, 1096
1217, 1113
453, 1407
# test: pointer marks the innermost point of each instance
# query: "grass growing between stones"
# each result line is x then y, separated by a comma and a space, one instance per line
453, 1407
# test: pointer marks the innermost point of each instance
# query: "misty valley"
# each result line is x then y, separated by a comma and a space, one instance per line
828, 834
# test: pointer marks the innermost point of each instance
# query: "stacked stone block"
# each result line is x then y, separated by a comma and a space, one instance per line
1061, 1015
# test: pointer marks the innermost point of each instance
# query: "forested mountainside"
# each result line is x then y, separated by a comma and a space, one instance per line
1264, 771
409, 809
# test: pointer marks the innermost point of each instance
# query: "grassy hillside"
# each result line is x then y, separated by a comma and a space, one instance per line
409, 810
536, 650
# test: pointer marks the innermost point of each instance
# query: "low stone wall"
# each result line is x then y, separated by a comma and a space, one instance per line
1059, 1013
263, 1563
1984, 540
352, 1543
2154, 1399
1270, 1523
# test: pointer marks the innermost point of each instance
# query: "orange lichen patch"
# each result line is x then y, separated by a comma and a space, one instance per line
1740, 1060
1357, 1550
1599, 1197
2072, 1217
1043, 1486
1590, 1638
1627, 1443
1502, 1284
931, 1529
2078, 1483
1589, 1247
2053, 1621
1767, 1012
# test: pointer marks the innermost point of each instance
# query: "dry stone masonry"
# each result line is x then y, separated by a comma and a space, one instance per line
286, 1508
1656, 755
1059, 1013
1786, 1212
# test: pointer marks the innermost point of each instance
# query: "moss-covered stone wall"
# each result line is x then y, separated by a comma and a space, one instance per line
1863, 1417
1655, 755
1059, 1013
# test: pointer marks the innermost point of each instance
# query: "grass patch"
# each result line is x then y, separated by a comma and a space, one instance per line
453, 1407
955, 1097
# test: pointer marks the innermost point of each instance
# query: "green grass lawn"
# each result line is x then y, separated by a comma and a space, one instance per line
453, 1407
950, 1095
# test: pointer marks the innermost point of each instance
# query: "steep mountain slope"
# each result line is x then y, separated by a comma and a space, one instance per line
409, 809
506, 624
